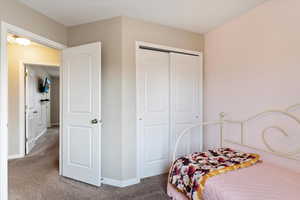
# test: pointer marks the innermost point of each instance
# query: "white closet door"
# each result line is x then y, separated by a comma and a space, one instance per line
186, 100
153, 111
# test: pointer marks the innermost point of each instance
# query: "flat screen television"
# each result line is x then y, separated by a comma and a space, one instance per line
44, 85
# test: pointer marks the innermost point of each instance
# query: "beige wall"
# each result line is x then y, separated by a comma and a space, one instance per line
13, 12
132, 31
109, 33
16, 55
252, 63
118, 36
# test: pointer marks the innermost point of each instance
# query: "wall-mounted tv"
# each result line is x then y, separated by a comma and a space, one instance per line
44, 85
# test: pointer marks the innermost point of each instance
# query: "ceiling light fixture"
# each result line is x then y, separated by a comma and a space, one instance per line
23, 41
11, 39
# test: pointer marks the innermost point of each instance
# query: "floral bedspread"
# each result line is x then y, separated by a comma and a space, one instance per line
189, 173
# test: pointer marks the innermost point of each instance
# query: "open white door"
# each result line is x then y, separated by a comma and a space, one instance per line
81, 121
31, 113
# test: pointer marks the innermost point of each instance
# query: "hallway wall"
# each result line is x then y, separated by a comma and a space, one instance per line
40, 120
16, 55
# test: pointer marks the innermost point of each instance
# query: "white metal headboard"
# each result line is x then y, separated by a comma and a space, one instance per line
242, 123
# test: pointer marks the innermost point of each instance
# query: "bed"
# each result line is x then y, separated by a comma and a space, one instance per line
227, 174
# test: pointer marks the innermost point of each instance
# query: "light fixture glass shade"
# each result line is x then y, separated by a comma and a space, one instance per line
11, 39
23, 41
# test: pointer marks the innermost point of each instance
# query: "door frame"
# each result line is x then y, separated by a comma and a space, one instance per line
22, 102
139, 144
5, 29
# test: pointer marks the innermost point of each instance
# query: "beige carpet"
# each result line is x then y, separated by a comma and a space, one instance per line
36, 178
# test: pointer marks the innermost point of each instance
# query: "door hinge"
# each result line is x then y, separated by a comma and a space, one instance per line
26, 74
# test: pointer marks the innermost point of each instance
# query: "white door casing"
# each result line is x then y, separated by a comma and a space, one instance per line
186, 100
82, 113
153, 111
5, 29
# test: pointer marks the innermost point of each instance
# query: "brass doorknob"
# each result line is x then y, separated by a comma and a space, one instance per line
94, 121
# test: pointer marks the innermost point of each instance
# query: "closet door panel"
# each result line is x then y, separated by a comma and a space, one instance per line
186, 100
153, 111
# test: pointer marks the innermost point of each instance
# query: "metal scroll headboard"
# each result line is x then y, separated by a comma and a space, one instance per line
242, 123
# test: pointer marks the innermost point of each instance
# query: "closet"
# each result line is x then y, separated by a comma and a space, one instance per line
169, 99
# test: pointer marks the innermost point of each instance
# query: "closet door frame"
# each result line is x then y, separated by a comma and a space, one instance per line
163, 48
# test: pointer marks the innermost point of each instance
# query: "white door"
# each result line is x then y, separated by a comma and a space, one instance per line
82, 113
43, 115
31, 110
186, 100
153, 111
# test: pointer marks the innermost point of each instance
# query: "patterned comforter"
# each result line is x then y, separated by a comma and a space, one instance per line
189, 173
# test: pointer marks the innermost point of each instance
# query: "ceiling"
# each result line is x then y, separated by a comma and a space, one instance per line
194, 15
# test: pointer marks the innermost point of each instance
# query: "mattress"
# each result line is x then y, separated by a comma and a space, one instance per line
260, 182
263, 181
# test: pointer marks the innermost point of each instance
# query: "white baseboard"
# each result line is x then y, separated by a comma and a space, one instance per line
41, 134
119, 183
16, 156
32, 142
130, 182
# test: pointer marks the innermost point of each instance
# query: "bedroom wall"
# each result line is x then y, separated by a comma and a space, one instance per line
109, 33
136, 30
13, 12
252, 64
17, 54
118, 36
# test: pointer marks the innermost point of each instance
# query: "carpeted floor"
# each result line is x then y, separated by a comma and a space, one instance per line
36, 178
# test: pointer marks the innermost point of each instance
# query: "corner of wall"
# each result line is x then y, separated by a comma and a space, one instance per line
107, 31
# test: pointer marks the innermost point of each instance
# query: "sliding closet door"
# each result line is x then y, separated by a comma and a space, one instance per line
153, 111
186, 100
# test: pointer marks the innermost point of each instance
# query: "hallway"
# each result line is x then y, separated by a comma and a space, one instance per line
35, 177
